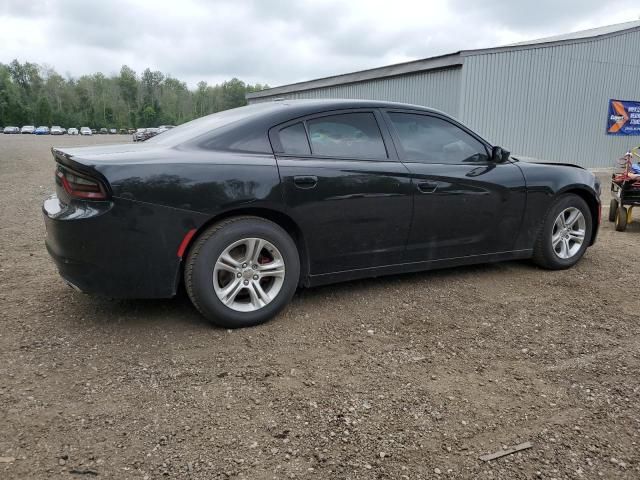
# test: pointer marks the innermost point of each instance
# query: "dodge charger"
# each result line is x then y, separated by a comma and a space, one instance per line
245, 206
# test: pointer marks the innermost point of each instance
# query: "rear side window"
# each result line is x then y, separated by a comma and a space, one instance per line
348, 135
294, 140
235, 140
427, 139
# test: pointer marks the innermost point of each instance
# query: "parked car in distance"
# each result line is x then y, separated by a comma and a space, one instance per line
29, 129
139, 135
246, 205
123, 131
57, 130
72, 131
103, 131
94, 131
112, 131
143, 134
151, 132
41, 131
11, 130
86, 131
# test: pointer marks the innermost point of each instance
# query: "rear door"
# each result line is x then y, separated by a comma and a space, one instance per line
345, 188
464, 203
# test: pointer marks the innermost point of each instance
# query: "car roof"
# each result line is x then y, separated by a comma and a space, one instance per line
309, 106
259, 117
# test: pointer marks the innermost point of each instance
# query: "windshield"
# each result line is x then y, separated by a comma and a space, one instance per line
200, 126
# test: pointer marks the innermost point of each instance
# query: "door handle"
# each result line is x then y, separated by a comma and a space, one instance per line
427, 187
305, 181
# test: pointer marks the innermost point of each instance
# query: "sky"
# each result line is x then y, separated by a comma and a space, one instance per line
277, 41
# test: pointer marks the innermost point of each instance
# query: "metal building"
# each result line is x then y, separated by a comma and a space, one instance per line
545, 99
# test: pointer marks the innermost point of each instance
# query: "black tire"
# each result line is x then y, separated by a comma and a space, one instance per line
613, 209
543, 253
198, 271
621, 219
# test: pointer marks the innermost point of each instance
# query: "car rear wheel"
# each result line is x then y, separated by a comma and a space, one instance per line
242, 271
613, 209
565, 234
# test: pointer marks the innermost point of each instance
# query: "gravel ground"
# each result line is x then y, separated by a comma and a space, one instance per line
412, 376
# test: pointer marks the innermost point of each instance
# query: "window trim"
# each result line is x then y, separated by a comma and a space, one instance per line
387, 141
398, 144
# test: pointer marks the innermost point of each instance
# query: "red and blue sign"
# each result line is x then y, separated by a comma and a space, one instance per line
624, 118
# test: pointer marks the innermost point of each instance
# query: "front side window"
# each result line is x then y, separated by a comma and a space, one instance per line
347, 135
427, 139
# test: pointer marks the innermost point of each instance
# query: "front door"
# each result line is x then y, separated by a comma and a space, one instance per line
465, 204
345, 189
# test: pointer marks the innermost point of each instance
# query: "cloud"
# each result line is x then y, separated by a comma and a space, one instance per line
279, 41
541, 15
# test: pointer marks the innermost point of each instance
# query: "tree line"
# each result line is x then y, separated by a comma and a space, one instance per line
31, 94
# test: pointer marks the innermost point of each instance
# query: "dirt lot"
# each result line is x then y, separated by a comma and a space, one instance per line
412, 376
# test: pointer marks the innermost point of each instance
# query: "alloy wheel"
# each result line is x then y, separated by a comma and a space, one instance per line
248, 274
568, 233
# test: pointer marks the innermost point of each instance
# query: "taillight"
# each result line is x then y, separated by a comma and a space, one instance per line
80, 186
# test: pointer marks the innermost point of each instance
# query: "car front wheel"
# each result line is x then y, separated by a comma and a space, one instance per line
242, 271
565, 233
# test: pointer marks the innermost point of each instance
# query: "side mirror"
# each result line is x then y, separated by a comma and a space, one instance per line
499, 155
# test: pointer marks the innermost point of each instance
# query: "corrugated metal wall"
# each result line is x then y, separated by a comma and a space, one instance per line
436, 89
547, 103
551, 103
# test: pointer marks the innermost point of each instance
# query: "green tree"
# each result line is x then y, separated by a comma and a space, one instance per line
128, 85
33, 94
12, 112
149, 115
43, 112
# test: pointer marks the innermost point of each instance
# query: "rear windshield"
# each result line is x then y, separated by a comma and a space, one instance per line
200, 126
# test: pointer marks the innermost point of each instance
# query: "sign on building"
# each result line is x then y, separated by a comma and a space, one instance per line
624, 118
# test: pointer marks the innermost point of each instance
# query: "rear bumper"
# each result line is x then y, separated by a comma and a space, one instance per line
84, 277
120, 249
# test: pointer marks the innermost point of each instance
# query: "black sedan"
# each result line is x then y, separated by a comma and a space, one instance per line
244, 206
